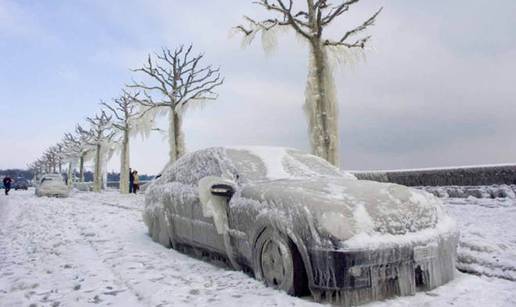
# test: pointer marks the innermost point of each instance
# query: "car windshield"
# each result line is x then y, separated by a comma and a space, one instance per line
269, 163
57, 179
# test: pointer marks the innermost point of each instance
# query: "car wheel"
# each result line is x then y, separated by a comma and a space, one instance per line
278, 263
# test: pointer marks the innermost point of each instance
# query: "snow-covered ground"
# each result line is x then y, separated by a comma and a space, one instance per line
93, 249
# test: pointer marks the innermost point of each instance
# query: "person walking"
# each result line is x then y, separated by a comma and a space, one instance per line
131, 180
136, 182
7, 184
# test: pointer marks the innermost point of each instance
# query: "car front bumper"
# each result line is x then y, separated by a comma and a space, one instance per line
353, 277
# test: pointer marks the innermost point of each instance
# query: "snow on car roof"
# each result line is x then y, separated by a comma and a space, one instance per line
271, 156
53, 175
289, 163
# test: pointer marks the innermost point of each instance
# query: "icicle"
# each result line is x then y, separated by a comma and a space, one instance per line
270, 40
321, 107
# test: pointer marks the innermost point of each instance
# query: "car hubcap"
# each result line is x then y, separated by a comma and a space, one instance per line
273, 263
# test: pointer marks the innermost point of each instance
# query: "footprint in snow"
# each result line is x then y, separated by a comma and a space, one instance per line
194, 292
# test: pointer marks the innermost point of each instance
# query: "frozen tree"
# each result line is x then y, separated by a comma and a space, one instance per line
59, 155
37, 167
75, 150
124, 111
44, 164
309, 20
69, 155
176, 80
81, 139
51, 159
101, 136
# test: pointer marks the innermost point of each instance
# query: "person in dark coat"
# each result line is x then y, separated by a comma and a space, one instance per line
7, 184
131, 181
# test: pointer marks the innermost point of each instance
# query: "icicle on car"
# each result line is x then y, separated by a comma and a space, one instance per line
300, 224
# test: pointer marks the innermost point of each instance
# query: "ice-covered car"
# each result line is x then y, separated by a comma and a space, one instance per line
52, 185
298, 224
21, 184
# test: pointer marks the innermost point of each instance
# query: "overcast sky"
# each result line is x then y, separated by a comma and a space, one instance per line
437, 87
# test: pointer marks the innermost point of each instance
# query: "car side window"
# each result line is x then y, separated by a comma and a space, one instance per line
197, 167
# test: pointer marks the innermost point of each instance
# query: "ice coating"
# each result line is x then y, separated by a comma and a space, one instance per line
479, 192
272, 158
52, 185
346, 208
320, 209
340, 205
321, 106
214, 206
283, 163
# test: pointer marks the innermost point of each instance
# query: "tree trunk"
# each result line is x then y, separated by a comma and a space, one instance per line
175, 136
69, 175
97, 180
81, 168
321, 106
124, 164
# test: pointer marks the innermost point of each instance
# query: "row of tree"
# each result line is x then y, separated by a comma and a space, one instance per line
174, 80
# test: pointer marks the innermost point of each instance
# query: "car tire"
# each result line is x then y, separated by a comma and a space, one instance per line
278, 263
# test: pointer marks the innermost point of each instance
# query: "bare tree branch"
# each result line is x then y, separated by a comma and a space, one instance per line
309, 23
360, 42
123, 109
287, 18
177, 79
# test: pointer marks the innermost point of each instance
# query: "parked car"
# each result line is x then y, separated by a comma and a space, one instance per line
21, 184
52, 185
298, 223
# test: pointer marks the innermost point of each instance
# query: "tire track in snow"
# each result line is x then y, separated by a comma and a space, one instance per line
49, 263
87, 236
163, 276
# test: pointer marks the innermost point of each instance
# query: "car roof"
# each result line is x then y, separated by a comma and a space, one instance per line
53, 175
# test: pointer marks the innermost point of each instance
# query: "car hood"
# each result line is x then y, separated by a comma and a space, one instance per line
345, 207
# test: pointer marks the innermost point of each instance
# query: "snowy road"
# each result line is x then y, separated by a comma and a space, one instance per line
93, 249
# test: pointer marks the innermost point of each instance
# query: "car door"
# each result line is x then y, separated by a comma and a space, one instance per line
178, 205
177, 198
203, 228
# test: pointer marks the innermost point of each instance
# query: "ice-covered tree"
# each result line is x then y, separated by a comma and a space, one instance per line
51, 159
101, 136
125, 113
309, 20
175, 80
70, 155
37, 167
81, 139
58, 148
74, 152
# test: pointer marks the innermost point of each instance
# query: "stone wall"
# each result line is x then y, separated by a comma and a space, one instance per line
460, 176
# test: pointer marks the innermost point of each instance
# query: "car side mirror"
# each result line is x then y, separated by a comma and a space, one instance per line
214, 196
221, 189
